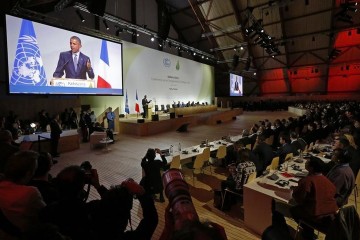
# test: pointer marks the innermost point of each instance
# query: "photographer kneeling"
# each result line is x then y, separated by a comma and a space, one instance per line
98, 219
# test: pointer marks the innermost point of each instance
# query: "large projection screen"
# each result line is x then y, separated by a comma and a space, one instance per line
37, 51
165, 78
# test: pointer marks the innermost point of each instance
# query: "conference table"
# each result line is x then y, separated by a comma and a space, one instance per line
193, 151
258, 194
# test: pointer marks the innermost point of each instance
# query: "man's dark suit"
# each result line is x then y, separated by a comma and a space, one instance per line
66, 64
284, 150
265, 154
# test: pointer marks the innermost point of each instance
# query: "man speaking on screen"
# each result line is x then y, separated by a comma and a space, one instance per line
74, 63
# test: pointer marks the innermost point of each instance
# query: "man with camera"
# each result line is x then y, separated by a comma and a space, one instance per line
106, 218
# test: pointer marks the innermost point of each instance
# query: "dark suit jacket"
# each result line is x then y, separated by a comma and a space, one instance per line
284, 150
66, 64
265, 154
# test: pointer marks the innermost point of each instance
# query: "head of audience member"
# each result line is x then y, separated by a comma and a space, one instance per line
70, 182
44, 164
311, 126
245, 133
341, 142
357, 122
293, 136
150, 154
268, 125
254, 128
244, 155
284, 138
197, 230
116, 207
339, 156
314, 165
261, 138
21, 166
5, 136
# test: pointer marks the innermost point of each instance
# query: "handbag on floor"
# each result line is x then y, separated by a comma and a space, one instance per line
217, 199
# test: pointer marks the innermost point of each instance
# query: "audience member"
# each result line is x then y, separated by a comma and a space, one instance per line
314, 197
297, 143
110, 116
84, 127
106, 218
42, 179
99, 128
20, 204
65, 119
71, 213
285, 148
6, 147
264, 154
43, 120
73, 120
55, 127
112, 214
239, 174
152, 177
342, 177
354, 155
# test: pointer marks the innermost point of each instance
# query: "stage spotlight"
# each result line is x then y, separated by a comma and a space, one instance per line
118, 31
106, 25
152, 38
80, 16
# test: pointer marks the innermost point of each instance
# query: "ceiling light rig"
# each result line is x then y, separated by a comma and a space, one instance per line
105, 24
256, 33
345, 9
143, 29
80, 16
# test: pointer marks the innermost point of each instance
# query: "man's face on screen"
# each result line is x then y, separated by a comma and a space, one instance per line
75, 45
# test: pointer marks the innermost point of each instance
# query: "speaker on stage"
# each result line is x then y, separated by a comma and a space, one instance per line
172, 115
155, 117
183, 128
140, 120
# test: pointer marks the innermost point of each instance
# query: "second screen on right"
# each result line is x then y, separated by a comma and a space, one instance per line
236, 85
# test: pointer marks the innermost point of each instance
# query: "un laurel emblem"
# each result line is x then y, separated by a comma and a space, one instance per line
28, 66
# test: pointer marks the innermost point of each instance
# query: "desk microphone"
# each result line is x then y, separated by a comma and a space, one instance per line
62, 67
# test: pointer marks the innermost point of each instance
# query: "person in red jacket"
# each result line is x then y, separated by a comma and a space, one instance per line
314, 197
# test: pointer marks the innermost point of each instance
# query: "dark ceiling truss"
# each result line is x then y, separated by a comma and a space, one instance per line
182, 10
205, 28
206, 21
330, 48
239, 15
286, 77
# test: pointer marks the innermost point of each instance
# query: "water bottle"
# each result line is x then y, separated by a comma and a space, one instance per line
171, 150
179, 147
207, 142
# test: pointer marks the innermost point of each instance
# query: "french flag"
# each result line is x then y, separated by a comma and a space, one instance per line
137, 107
104, 67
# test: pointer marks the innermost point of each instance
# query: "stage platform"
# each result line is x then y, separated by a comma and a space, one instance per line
129, 125
69, 141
